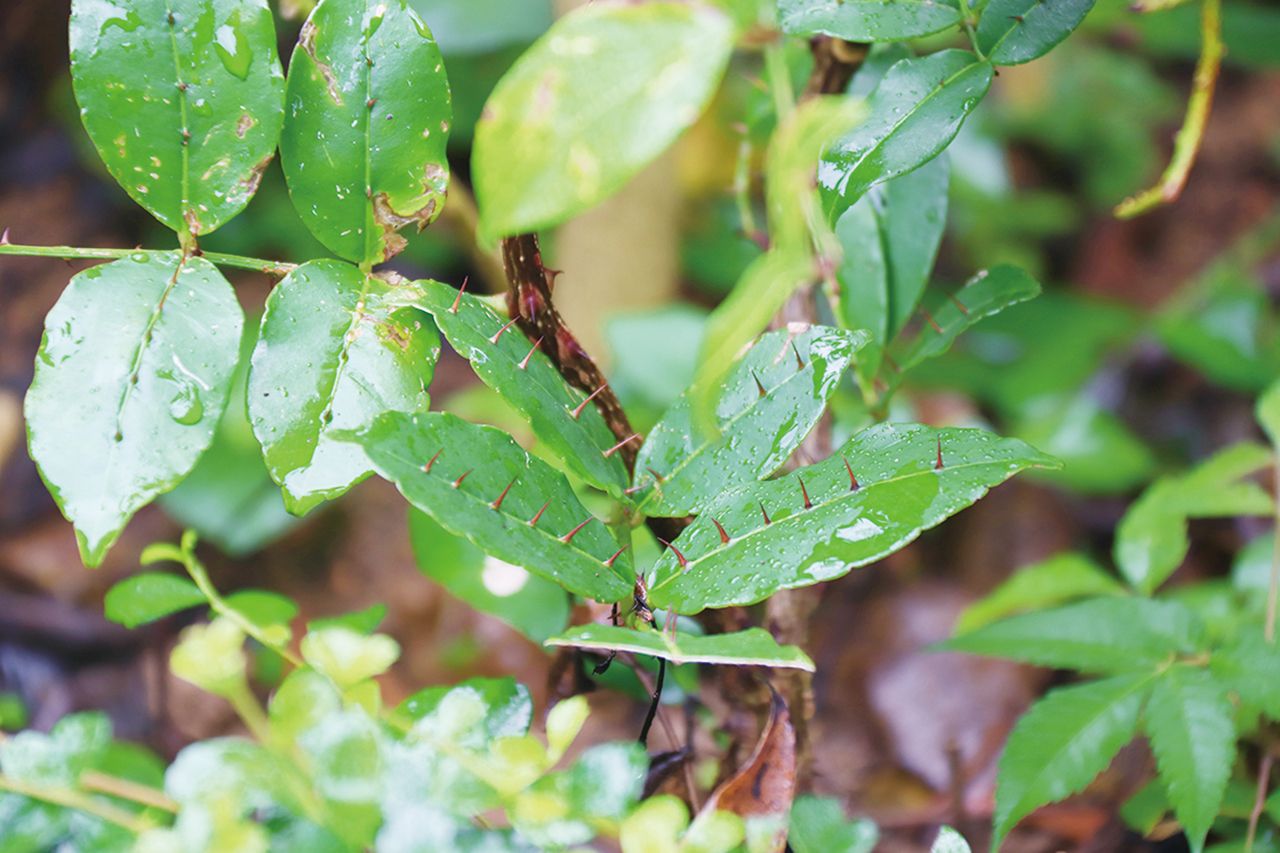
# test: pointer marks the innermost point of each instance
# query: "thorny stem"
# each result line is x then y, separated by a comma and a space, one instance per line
1268, 632
222, 259
1187, 143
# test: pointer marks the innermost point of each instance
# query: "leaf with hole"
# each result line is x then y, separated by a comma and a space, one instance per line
130, 381
751, 647
478, 483
363, 146
605, 91
867, 20
915, 112
770, 401
149, 596
505, 360
183, 99
820, 521
337, 348
1015, 31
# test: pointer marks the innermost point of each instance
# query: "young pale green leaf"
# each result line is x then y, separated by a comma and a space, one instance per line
819, 825
987, 293
770, 401
263, 607
915, 113
130, 380
1268, 413
76, 743
867, 20
363, 146
478, 483
149, 596
1063, 742
348, 657
1189, 723
211, 656
859, 292
508, 707
183, 100
532, 605
1057, 580
1107, 635
752, 647
522, 374
949, 841
823, 520
1015, 31
337, 349
593, 101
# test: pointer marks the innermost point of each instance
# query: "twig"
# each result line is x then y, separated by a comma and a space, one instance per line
126, 789
72, 799
460, 215
222, 259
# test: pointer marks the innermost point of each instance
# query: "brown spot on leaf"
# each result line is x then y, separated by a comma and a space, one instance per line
242, 126
391, 220
307, 42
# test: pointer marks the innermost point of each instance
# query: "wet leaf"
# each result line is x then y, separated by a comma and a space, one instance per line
599, 96
130, 381
363, 146
149, 596
1063, 742
1057, 580
337, 349
915, 112
949, 841
348, 657
752, 647
867, 20
819, 825
900, 492
1014, 31
183, 99
508, 708
530, 383
1189, 724
765, 786
770, 401
465, 490
481, 26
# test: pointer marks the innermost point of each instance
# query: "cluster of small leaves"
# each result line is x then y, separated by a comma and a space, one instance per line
1192, 669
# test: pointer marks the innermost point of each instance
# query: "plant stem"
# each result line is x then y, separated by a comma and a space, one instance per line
462, 216
274, 268
126, 789
1269, 633
77, 800
1187, 143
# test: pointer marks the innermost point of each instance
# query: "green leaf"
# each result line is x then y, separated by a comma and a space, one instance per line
770, 401
348, 657
1144, 810
481, 26
363, 147
532, 605
1015, 31
860, 295
183, 99
211, 656
987, 293
1101, 635
1268, 413
1057, 580
949, 841
337, 349
299, 703
263, 608
1249, 666
149, 596
76, 743
532, 386
131, 378
364, 621
1063, 742
819, 825
508, 709
1100, 455
867, 20
598, 97
915, 113
473, 466
900, 493
752, 647
1189, 724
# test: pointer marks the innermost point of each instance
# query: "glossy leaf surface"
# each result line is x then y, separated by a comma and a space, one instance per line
900, 492
149, 596
770, 401
599, 96
337, 348
130, 381
536, 389
1014, 31
1063, 742
916, 111
473, 467
183, 99
752, 647
363, 147
867, 20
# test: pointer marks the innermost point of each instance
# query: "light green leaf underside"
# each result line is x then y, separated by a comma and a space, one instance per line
867, 20
130, 381
900, 493
752, 647
337, 348
537, 390
683, 468
183, 99
369, 109
402, 448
